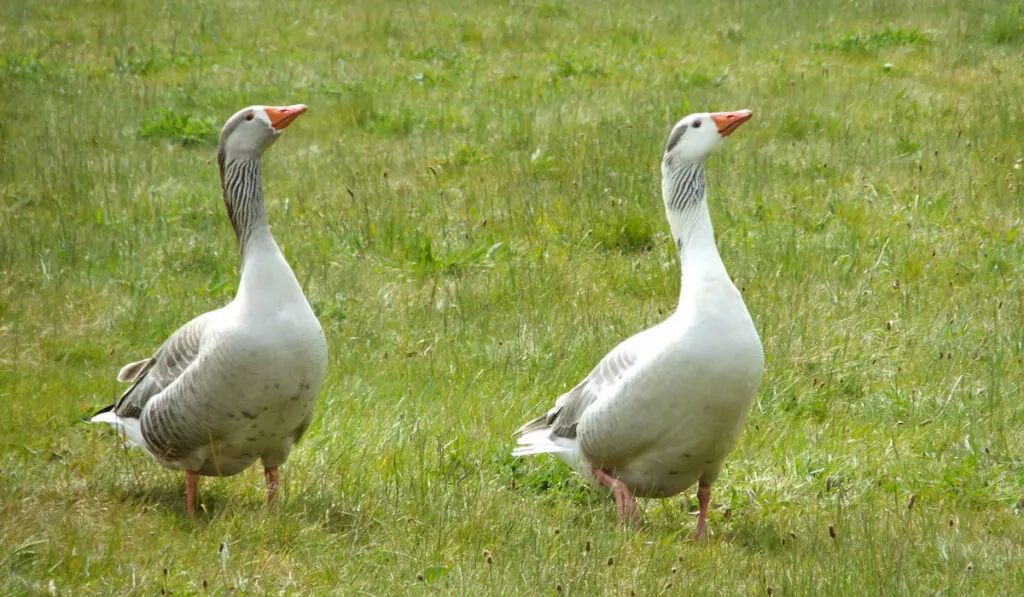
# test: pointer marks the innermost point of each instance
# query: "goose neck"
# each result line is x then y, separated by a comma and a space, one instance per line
267, 282
242, 185
686, 206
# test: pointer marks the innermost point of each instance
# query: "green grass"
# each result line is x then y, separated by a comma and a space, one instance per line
1008, 25
886, 38
472, 204
176, 127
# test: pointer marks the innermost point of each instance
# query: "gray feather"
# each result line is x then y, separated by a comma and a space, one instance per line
569, 408
132, 371
153, 375
677, 134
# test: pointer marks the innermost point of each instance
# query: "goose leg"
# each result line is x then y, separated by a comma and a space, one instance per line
623, 496
273, 480
191, 485
704, 499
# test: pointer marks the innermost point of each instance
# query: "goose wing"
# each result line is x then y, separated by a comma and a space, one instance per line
562, 420
151, 376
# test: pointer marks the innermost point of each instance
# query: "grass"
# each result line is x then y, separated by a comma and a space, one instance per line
173, 126
889, 37
1008, 25
472, 205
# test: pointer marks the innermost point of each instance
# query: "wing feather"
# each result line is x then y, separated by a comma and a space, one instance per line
151, 376
569, 408
132, 371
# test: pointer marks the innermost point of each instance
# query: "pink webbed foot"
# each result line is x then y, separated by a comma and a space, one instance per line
191, 488
273, 477
628, 512
704, 499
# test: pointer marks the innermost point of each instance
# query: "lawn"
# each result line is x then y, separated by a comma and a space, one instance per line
472, 204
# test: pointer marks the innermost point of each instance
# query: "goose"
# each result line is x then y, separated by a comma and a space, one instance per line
241, 382
664, 408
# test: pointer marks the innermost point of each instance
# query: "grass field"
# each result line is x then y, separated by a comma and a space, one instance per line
472, 204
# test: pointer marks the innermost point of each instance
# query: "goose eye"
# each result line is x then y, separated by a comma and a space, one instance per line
696, 124
249, 116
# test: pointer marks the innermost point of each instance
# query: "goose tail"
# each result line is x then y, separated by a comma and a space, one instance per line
539, 441
130, 428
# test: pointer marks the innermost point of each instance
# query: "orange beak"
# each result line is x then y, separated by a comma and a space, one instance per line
282, 116
730, 121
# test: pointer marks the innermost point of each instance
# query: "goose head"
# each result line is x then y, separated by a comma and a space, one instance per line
244, 138
697, 136
252, 130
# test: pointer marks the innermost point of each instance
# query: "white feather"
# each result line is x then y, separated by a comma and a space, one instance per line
537, 442
130, 428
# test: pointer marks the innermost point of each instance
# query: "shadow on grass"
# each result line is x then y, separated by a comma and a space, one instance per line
676, 518
757, 536
331, 515
167, 496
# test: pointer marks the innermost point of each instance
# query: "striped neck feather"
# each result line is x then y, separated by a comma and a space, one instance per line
242, 185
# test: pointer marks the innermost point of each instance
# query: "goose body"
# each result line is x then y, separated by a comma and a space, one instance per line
665, 407
239, 383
